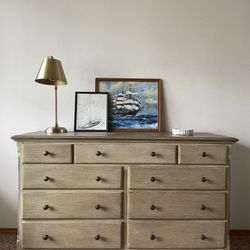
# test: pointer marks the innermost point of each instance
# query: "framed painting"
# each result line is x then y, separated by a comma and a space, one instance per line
91, 111
134, 103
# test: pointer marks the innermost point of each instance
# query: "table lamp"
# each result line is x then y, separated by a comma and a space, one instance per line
51, 73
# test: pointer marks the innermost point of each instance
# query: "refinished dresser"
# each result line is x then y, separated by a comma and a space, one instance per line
123, 191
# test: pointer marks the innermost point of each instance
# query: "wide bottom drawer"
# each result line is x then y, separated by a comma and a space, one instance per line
73, 234
176, 234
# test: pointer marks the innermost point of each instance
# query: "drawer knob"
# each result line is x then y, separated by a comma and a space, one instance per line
45, 237
98, 153
203, 237
46, 178
97, 237
153, 179
45, 153
203, 179
153, 207
203, 207
98, 178
152, 237
45, 207
97, 206
204, 154
153, 154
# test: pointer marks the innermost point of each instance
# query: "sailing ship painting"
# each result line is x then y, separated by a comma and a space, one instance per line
91, 111
133, 103
126, 103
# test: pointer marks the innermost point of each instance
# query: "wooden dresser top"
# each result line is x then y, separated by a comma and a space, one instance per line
130, 136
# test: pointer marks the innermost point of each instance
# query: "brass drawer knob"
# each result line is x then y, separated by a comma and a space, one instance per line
45, 153
203, 207
46, 178
45, 207
153, 154
98, 178
98, 153
203, 237
152, 237
97, 237
204, 154
97, 206
153, 179
45, 237
153, 207
203, 179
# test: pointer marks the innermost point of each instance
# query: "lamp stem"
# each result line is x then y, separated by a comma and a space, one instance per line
56, 128
56, 121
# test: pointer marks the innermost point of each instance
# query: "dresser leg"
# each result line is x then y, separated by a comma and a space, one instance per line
18, 245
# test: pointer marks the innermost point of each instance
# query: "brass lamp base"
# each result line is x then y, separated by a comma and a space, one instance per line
55, 130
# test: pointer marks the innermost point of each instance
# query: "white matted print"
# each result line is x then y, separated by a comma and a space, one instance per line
91, 111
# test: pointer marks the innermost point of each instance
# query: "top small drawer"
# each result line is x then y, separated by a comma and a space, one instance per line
203, 154
47, 153
125, 153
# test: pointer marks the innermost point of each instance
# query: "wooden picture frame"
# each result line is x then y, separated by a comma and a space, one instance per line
134, 103
91, 111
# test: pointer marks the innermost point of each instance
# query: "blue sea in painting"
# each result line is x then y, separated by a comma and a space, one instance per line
139, 121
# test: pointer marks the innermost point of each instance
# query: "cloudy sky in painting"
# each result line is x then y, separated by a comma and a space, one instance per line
146, 91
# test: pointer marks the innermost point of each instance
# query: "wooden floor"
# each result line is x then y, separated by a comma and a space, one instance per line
8, 242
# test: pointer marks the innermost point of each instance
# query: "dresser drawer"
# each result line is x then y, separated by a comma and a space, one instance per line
176, 234
47, 153
125, 153
78, 176
176, 205
68, 234
203, 154
71, 204
178, 177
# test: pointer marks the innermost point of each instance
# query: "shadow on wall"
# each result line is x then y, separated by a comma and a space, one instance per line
240, 186
163, 110
7, 213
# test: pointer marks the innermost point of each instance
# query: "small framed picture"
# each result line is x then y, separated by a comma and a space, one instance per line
91, 111
134, 103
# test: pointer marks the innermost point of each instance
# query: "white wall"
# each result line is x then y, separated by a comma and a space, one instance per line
200, 48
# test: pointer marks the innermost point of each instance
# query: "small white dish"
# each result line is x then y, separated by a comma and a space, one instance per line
181, 131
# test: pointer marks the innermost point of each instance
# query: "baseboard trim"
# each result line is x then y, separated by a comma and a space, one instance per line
239, 232
8, 230
233, 232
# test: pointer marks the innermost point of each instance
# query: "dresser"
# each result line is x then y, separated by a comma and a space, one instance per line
123, 191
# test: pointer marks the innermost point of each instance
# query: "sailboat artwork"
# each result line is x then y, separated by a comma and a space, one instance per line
91, 111
92, 119
133, 103
89, 124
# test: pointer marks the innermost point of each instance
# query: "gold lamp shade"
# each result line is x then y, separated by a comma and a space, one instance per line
51, 73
